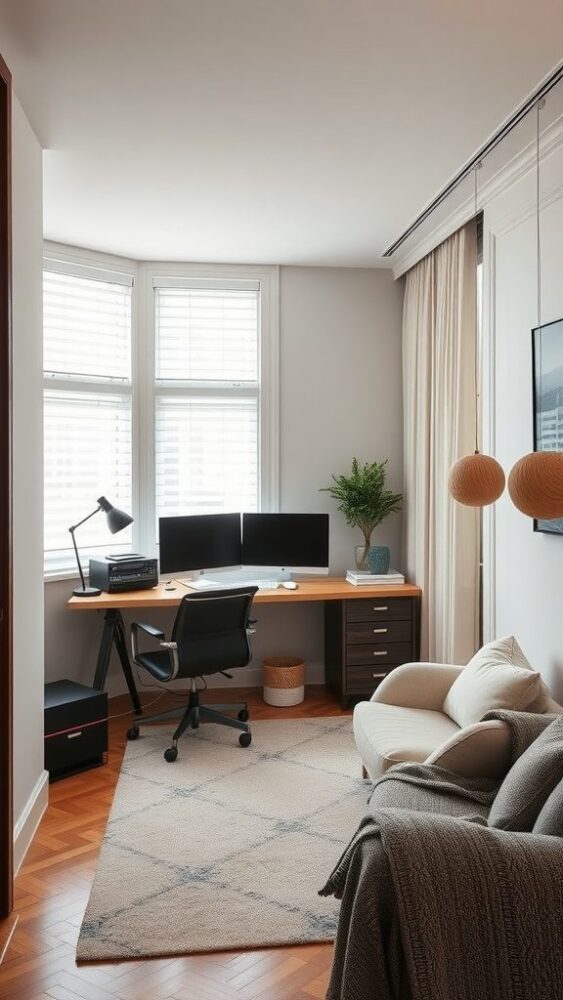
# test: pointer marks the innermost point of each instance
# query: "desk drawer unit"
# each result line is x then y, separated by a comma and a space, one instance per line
365, 639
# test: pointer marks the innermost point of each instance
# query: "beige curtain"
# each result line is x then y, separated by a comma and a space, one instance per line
442, 538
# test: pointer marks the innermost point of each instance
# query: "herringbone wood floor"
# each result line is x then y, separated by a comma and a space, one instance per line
53, 885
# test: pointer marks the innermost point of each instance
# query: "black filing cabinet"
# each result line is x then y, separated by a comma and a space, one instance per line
76, 729
365, 638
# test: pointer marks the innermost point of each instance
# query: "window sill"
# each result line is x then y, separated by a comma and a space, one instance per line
64, 574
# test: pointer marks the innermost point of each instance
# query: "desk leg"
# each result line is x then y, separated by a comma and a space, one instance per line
122, 652
113, 633
104, 652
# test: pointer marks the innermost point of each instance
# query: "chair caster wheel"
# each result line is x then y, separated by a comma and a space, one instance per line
133, 733
243, 715
171, 754
245, 739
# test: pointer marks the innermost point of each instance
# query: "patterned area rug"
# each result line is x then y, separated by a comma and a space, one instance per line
227, 847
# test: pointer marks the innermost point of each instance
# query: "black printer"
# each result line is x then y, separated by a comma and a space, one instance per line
129, 571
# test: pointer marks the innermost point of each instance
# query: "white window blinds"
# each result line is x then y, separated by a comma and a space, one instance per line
86, 327
207, 394
87, 416
207, 334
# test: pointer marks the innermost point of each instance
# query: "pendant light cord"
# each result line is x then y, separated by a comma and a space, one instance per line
539, 106
476, 373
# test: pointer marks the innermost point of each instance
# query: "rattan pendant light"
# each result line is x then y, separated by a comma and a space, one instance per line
476, 480
535, 483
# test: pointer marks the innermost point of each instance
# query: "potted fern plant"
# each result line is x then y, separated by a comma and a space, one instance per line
365, 503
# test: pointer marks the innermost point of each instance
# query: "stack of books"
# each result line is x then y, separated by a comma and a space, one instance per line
361, 579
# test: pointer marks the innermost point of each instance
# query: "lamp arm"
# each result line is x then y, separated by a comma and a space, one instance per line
77, 558
87, 518
72, 529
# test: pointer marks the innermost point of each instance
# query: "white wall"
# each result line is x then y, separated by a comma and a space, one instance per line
523, 569
341, 390
30, 789
341, 395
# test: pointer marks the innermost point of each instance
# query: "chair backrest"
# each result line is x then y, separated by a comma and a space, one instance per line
210, 631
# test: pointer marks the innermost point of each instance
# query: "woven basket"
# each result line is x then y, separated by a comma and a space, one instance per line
284, 680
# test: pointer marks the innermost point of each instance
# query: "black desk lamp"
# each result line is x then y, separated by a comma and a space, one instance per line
117, 519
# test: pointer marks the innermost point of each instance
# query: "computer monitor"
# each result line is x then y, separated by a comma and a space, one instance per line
199, 541
296, 541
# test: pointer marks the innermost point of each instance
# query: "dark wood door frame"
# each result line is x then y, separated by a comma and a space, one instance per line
6, 758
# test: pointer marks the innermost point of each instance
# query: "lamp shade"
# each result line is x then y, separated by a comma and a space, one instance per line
476, 480
535, 484
116, 519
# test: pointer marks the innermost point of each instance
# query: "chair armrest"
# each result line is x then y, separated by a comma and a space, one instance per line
482, 750
156, 633
417, 685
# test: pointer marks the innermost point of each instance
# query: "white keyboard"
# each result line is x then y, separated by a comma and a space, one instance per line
200, 584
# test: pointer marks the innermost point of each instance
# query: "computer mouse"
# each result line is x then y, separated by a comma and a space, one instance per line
289, 585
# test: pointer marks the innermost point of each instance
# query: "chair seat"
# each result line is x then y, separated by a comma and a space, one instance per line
389, 734
158, 663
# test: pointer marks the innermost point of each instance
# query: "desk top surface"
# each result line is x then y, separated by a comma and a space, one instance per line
327, 588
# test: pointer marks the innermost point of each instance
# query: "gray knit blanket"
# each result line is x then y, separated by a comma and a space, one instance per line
438, 908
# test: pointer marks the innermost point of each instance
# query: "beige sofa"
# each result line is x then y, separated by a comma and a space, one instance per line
405, 721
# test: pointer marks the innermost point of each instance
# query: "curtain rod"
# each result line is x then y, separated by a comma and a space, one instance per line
491, 144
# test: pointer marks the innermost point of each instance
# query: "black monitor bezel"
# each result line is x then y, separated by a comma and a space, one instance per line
180, 564
297, 565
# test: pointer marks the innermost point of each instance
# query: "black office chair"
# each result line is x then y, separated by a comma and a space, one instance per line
210, 636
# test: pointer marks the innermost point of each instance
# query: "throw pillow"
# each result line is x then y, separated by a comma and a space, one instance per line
498, 676
530, 781
550, 819
543, 702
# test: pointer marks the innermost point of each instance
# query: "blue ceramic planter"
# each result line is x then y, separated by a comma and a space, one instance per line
379, 559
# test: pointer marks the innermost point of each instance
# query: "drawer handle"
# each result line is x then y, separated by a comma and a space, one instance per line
380, 652
377, 631
383, 607
72, 736
378, 676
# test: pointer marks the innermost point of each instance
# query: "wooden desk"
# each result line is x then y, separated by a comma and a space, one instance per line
361, 623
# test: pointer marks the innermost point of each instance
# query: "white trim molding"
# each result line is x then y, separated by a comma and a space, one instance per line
498, 184
509, 203
92, 261
30, 818
488, 435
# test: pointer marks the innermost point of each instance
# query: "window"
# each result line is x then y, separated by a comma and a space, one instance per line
87, 408
206, 398
174, 412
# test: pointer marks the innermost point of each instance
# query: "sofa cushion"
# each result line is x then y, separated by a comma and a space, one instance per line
530, 781
498, 676
389, 734
550, 819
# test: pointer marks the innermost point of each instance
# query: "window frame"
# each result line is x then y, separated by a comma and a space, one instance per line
268, 388
91, 264
143, 371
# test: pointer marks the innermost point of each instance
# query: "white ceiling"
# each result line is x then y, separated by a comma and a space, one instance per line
288, 131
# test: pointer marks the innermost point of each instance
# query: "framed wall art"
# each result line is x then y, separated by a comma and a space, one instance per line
547, 362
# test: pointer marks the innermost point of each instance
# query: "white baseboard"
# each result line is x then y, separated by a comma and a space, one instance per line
29, 820
250, 676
